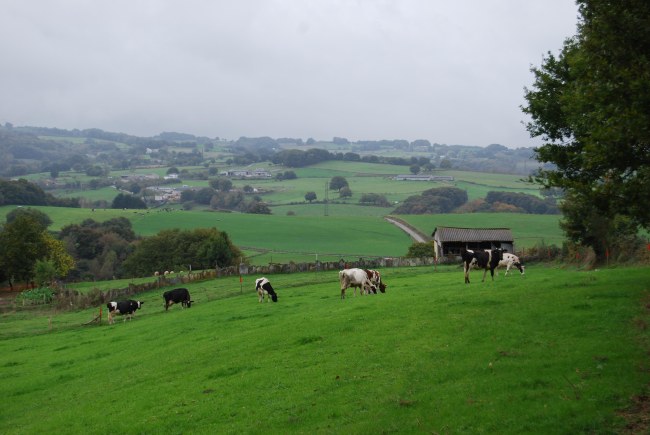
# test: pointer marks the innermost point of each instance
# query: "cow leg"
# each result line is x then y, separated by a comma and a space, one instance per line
345, 283
466, 270
507, 269
484, 274
110, 318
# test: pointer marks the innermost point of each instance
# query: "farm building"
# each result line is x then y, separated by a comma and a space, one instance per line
448, 241
423, 178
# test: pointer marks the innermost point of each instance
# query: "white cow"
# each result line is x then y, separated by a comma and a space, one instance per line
355, 278
510, 260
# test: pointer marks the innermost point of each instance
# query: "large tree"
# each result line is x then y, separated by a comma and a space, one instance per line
23, 242
591, 106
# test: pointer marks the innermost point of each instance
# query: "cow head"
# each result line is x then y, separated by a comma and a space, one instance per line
274, 297
187, 304
382, 287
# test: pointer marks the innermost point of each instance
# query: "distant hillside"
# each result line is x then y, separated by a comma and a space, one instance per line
27, 150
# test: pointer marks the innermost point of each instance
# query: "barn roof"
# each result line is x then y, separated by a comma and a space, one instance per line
454, 234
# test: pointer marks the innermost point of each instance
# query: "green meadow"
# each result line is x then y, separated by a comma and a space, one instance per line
281, 238
300, 231
554, 351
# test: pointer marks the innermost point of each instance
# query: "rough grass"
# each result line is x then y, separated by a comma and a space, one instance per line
554, 351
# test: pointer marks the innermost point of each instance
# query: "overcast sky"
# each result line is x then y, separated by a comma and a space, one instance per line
448, 71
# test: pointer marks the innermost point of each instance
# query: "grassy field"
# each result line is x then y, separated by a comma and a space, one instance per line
554, 351
362, 178
300, 238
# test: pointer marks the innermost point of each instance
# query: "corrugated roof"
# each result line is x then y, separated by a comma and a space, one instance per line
453, 234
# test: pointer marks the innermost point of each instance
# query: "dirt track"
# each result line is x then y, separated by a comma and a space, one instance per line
415, 235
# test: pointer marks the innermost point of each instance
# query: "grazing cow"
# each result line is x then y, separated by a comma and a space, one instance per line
178, 295
127, 308
375, 279
263, 287
488, 259
510, 260
355, 278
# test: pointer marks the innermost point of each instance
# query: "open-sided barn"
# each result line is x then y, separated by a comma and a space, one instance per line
448, 241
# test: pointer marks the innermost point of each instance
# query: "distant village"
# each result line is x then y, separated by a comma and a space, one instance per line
163, 193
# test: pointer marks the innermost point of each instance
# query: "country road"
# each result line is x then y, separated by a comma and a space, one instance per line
416, 236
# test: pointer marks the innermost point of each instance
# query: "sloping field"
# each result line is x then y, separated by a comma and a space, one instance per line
554, 351
301, 238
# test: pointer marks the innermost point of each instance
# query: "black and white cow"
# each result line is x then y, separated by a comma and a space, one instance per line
355, 278
263, 287
126, 308
178, 295
488, 259
511, 260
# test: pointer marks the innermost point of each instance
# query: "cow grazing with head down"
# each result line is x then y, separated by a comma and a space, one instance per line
126, 308
511, 260
176, 296
355, 278
488, 259
375, 279
263, 287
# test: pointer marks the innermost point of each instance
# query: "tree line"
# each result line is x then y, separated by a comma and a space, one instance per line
103, 250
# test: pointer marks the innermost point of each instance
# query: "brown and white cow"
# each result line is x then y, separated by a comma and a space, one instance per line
355, 278
375, 279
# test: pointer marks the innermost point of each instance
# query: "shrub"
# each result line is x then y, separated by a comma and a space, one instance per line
37, 296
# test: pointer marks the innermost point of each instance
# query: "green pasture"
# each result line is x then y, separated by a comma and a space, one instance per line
103, 194
300, 238
554, 351
362, 178
343, 208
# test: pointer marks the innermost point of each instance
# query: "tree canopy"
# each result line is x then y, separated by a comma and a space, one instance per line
591, 106
436, 200
176, 249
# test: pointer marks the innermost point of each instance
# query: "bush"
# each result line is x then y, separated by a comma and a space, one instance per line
418, 250
37, 296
